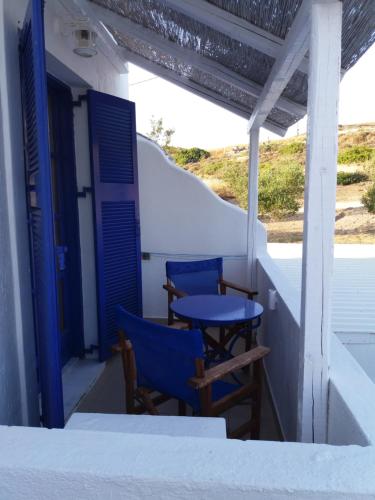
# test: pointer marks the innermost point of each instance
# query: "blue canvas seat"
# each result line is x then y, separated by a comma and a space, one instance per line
198, 277
171, 362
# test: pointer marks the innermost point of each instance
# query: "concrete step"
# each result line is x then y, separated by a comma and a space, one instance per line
204, 427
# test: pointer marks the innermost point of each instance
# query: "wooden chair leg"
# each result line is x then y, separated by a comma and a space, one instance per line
170, 313
144, 396
205, 394
130, 375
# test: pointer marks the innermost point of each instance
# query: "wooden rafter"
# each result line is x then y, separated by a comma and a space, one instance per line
196, 89
188, 56
236, 28
293, 51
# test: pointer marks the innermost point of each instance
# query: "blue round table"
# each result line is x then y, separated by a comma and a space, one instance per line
203, 311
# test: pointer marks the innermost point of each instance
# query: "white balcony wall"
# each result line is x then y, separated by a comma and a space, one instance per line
280, 332
18, 386
351, 399
112, 465
182, 219
351, 391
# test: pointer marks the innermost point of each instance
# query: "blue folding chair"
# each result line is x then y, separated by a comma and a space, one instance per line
202, 277
172, 362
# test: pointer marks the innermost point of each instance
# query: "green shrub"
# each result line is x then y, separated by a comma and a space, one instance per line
190, 155
368, 199
212, 167
369, 168
235, 175
291, 148
346, 178
268, 147
355, 154
280, 188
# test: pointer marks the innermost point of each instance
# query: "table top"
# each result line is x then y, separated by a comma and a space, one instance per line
216, 310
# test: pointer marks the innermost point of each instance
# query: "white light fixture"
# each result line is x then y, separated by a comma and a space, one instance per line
85, 43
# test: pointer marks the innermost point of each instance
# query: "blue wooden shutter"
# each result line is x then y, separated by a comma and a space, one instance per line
116, 207
39, 202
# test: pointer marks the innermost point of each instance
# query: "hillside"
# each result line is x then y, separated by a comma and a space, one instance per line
282, 167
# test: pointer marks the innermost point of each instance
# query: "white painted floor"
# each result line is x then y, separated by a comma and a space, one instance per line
78, 377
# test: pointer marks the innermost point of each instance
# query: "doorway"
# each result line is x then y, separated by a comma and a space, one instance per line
65, 219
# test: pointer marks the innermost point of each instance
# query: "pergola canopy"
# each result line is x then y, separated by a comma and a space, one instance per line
224, 50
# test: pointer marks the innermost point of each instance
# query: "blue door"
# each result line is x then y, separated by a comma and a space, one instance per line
65, 214
40, 213
113, 151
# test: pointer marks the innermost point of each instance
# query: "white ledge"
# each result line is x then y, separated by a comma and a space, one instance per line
54, 464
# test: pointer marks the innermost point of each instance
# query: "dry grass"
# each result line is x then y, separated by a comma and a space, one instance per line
353, 225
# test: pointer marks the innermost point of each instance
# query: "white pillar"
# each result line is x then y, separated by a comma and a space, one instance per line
252, 214
319, 221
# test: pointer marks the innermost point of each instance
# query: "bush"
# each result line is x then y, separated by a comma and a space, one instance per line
235, 175
368, 199
346, 178
369, 168
268, 147
190, 155
292, 148
280, 188
355, 154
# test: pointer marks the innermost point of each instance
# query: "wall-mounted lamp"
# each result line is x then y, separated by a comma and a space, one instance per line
85, 43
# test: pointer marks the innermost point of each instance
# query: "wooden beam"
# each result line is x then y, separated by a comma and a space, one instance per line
196, 89
234, 27
293, 51
319, 219
252, 210
186, 55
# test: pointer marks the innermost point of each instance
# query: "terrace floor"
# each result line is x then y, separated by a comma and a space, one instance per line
108, 396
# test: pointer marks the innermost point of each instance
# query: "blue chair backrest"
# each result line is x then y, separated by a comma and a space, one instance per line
199, 277
165, 357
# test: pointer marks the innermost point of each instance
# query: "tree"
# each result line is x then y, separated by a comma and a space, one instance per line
160, 134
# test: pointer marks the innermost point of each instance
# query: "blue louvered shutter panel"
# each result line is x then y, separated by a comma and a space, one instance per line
116, 209
40, 214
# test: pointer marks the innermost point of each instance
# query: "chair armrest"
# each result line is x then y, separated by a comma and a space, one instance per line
219, 371
239, 288
174, 291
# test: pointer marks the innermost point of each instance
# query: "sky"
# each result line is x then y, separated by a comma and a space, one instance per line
205, 125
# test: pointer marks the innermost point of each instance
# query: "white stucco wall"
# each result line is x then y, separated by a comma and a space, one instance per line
42, 464
182, 219
18, 387
351, 399
96, 72
280, 332
351, 392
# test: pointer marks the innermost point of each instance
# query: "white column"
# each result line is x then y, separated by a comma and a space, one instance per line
319, 221
252, 214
